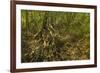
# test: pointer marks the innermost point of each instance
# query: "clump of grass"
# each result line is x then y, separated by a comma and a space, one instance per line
54, 36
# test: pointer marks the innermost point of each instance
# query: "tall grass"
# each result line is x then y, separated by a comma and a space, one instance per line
54, 36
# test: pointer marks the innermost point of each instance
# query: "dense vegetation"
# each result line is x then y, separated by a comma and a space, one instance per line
54, 36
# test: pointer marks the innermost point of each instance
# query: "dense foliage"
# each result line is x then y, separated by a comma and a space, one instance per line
54, 36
